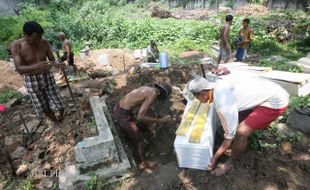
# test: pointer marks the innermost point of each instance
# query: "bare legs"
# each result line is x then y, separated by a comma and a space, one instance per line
239, 146
240, 143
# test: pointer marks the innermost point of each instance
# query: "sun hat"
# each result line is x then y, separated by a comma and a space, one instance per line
165, 87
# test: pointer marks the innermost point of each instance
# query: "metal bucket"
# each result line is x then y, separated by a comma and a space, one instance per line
163, 60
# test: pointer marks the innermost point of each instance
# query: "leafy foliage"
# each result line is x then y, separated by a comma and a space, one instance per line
28, 184
7, 94
97, 22
92, 183
281, 66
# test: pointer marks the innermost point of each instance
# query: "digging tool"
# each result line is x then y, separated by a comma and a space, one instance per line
68, 84
21, 117
203, 70
28, 132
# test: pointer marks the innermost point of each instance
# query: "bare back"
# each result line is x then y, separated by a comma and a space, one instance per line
67, 46
224, 32
137, 97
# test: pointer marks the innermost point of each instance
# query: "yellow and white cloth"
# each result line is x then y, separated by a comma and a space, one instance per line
195, 136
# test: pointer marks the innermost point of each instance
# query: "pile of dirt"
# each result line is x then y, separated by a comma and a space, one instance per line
9, 77
252, 10
192, 55
159, 12
107, 60
198, 14
282, 30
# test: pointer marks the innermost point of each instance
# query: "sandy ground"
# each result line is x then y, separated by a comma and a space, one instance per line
9, 78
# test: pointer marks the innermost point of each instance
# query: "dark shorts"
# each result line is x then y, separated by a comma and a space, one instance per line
71, 58
43, 91
127, 124
240, 54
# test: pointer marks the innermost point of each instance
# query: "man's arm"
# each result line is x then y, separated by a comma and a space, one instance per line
226, 108
224, 146
250, 37
27, 69
142, 115
51, 57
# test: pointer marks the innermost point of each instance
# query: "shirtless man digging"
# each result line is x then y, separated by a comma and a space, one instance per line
144, 97
30, 55
68, 54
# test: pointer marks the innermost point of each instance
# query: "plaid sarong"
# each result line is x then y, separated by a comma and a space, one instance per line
43, 92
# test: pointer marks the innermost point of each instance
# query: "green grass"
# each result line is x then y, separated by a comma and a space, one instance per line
8, 94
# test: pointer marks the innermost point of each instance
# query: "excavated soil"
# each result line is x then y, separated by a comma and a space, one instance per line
9, 78
268, 169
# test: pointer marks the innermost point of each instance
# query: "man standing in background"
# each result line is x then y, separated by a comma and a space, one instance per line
247, 35
68, 54
225, 50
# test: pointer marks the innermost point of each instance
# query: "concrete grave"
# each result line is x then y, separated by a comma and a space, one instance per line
102, 155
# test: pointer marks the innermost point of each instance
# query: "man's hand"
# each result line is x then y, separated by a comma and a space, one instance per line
212, 163
165, 119
221, 71
43, 66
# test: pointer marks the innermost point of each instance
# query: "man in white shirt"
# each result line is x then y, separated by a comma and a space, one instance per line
262, 99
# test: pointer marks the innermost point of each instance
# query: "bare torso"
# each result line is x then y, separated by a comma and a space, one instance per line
31, 59
32, 54
66, 46
137, 97
224, 33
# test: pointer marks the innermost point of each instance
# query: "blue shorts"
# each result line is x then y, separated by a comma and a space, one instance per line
240, 54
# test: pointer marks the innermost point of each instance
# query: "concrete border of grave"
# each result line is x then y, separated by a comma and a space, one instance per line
102, 155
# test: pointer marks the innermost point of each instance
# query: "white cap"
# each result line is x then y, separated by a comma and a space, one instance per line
199, 84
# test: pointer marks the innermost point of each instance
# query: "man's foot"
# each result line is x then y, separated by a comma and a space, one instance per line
147, 166
222, 169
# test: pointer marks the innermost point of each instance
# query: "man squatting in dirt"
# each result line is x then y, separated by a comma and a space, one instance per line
250, 101
225, 50
144, 97
30, 55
